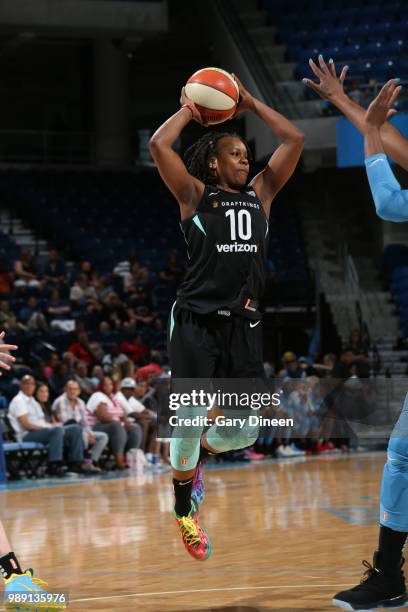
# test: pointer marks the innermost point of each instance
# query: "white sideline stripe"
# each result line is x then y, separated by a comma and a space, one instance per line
185, 592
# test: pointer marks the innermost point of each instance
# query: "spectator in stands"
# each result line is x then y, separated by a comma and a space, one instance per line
106, 414
321, 426
82, 292
81, 349
6, 279
343, 369
135, 349
121, 272
50, 365
114, 359
42, 395
305, 419
97, 376
86, 268
32, 316
360, 353
96, 352
70, 361
104, 329
148, 372
102, 286
329, 360
29, 424
8, 319
291, 368
58, 378
325, 368
122, 268
306, 366
337, 398
25, 271
356, 343
141, 311
284, 434
58, 312
172, 272
81, 377
145, 392
136, 411
70, 408
113, 311
138, 275
55, 269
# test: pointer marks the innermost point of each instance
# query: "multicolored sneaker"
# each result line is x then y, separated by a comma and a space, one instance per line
198, 491
21, 586
195, 539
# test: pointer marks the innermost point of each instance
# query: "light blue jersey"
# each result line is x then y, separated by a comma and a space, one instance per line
391, 203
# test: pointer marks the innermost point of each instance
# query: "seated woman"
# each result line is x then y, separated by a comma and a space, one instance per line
25, 271
106, 414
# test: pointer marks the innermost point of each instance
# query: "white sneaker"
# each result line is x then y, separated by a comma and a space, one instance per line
298, 452
284, 451
290, 452
280, 451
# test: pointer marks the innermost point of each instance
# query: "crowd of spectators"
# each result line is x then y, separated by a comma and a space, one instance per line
55, 296
319, 395
118, 415
91, 386
91, 351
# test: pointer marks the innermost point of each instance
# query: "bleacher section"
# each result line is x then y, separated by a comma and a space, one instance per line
368, 35
106, 216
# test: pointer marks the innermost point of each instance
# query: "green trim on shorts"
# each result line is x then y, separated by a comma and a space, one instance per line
172, 319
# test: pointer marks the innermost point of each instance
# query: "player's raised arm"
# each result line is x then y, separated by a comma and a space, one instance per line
186, 188
330, 87
284, 160
390, 201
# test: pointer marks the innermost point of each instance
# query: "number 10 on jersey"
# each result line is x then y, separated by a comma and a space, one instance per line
240, 220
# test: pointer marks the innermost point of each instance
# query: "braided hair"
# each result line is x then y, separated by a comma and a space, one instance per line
197, 156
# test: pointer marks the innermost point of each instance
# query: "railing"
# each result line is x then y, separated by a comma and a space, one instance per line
47, 147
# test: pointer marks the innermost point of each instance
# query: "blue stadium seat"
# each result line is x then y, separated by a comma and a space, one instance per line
15, 446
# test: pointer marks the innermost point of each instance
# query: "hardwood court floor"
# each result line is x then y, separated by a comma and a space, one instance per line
286, 536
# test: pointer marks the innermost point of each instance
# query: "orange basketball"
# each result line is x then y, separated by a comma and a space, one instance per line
215, 94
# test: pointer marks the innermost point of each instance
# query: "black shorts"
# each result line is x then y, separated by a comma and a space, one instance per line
214, 345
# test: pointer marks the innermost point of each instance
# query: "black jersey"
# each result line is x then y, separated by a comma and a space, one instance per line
226, 243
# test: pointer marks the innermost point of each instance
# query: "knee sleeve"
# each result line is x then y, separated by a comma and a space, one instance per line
184, 453
186, 439
225, 438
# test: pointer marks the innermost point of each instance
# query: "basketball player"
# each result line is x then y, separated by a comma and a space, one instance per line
215, 324
15, 580
383, 585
